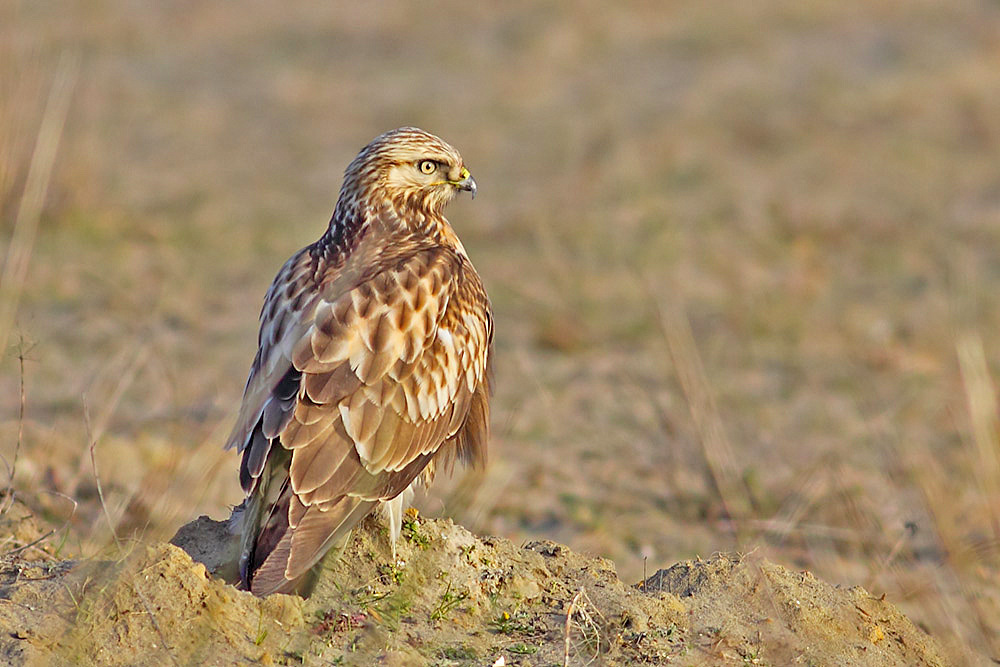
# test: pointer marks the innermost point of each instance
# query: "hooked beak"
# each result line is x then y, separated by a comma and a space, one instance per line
468, 183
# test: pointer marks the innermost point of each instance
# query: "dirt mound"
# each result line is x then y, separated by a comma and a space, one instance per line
450, 599
755, 610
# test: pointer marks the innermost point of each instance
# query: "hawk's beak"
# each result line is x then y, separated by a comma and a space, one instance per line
468, 183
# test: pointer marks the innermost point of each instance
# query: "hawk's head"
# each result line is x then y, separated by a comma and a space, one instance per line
409, 167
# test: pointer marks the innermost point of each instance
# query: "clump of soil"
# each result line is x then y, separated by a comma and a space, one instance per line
451, 598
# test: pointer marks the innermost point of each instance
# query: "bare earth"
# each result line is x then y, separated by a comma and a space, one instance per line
452, 599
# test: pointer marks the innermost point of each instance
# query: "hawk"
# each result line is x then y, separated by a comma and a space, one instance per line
373, 364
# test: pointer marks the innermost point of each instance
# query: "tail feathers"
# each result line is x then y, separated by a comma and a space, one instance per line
269, 577
303, 545
264, 521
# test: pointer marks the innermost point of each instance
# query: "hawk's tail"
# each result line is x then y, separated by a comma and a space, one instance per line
281, 566
282, 539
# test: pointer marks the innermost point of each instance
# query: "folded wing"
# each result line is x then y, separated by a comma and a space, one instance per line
360, 389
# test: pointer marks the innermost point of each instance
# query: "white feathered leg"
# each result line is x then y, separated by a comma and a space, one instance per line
393, 514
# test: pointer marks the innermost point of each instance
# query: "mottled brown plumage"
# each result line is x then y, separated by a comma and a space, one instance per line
373, 363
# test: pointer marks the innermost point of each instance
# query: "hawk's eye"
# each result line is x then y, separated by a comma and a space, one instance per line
427, 166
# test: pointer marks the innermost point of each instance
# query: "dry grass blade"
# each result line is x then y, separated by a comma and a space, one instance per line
714, 442
967, 558
905, 538
125, 380
569, 621
92, 447
15, 269
981, 397
95, 429
8, 493
93, 435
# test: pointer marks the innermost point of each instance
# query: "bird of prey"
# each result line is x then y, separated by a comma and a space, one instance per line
373, 364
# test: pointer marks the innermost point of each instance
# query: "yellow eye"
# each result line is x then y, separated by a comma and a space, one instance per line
427, 166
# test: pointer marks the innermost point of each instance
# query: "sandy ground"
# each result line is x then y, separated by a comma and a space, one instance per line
451, 598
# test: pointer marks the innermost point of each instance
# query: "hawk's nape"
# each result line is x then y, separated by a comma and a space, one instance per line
372, 368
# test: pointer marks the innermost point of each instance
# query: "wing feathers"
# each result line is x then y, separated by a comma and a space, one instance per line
330, 388
375, 381
297, 434
313, 464
254, 457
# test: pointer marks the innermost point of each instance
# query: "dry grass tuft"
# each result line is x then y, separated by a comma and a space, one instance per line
582, 618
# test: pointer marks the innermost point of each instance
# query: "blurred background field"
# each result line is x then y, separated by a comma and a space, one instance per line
743, 259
